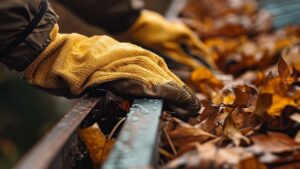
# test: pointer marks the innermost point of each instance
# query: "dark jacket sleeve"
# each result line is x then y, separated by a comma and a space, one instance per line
115, 16
24, 31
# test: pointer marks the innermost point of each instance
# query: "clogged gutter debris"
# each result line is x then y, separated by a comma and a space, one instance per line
250, 116
251, 111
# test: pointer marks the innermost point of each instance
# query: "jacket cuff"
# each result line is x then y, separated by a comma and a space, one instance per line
36, 41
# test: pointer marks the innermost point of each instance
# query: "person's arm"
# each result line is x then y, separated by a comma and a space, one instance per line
115, 16
147, 28
72, 64
24, 31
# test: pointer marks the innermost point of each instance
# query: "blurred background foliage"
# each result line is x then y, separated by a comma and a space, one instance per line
26, 113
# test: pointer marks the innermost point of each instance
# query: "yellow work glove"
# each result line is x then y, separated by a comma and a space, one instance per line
168, 37
73, 63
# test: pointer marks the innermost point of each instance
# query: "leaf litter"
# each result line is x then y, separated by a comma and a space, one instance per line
250, 115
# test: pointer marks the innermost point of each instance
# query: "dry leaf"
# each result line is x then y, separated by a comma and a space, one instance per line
229, 97
295, 117
245, 108
297, 137
97, 144
283, 69
107, 148
209, 156
264, 101
184, 134
231, 131
95, 140
206, 81
273, 143
279, 103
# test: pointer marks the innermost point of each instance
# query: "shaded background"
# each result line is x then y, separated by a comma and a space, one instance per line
26, 113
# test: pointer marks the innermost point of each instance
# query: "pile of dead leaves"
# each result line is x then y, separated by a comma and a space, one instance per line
238, 32
250, 116
247, 122
225, 18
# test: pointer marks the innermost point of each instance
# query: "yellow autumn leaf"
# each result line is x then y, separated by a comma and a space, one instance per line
279, 103
95, 141
203, 74
206, 82
229, 98
107, 148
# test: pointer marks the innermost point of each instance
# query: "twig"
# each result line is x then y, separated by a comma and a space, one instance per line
115, 128
170, 141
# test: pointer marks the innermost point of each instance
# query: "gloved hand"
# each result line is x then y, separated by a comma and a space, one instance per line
73, 63
155, 32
